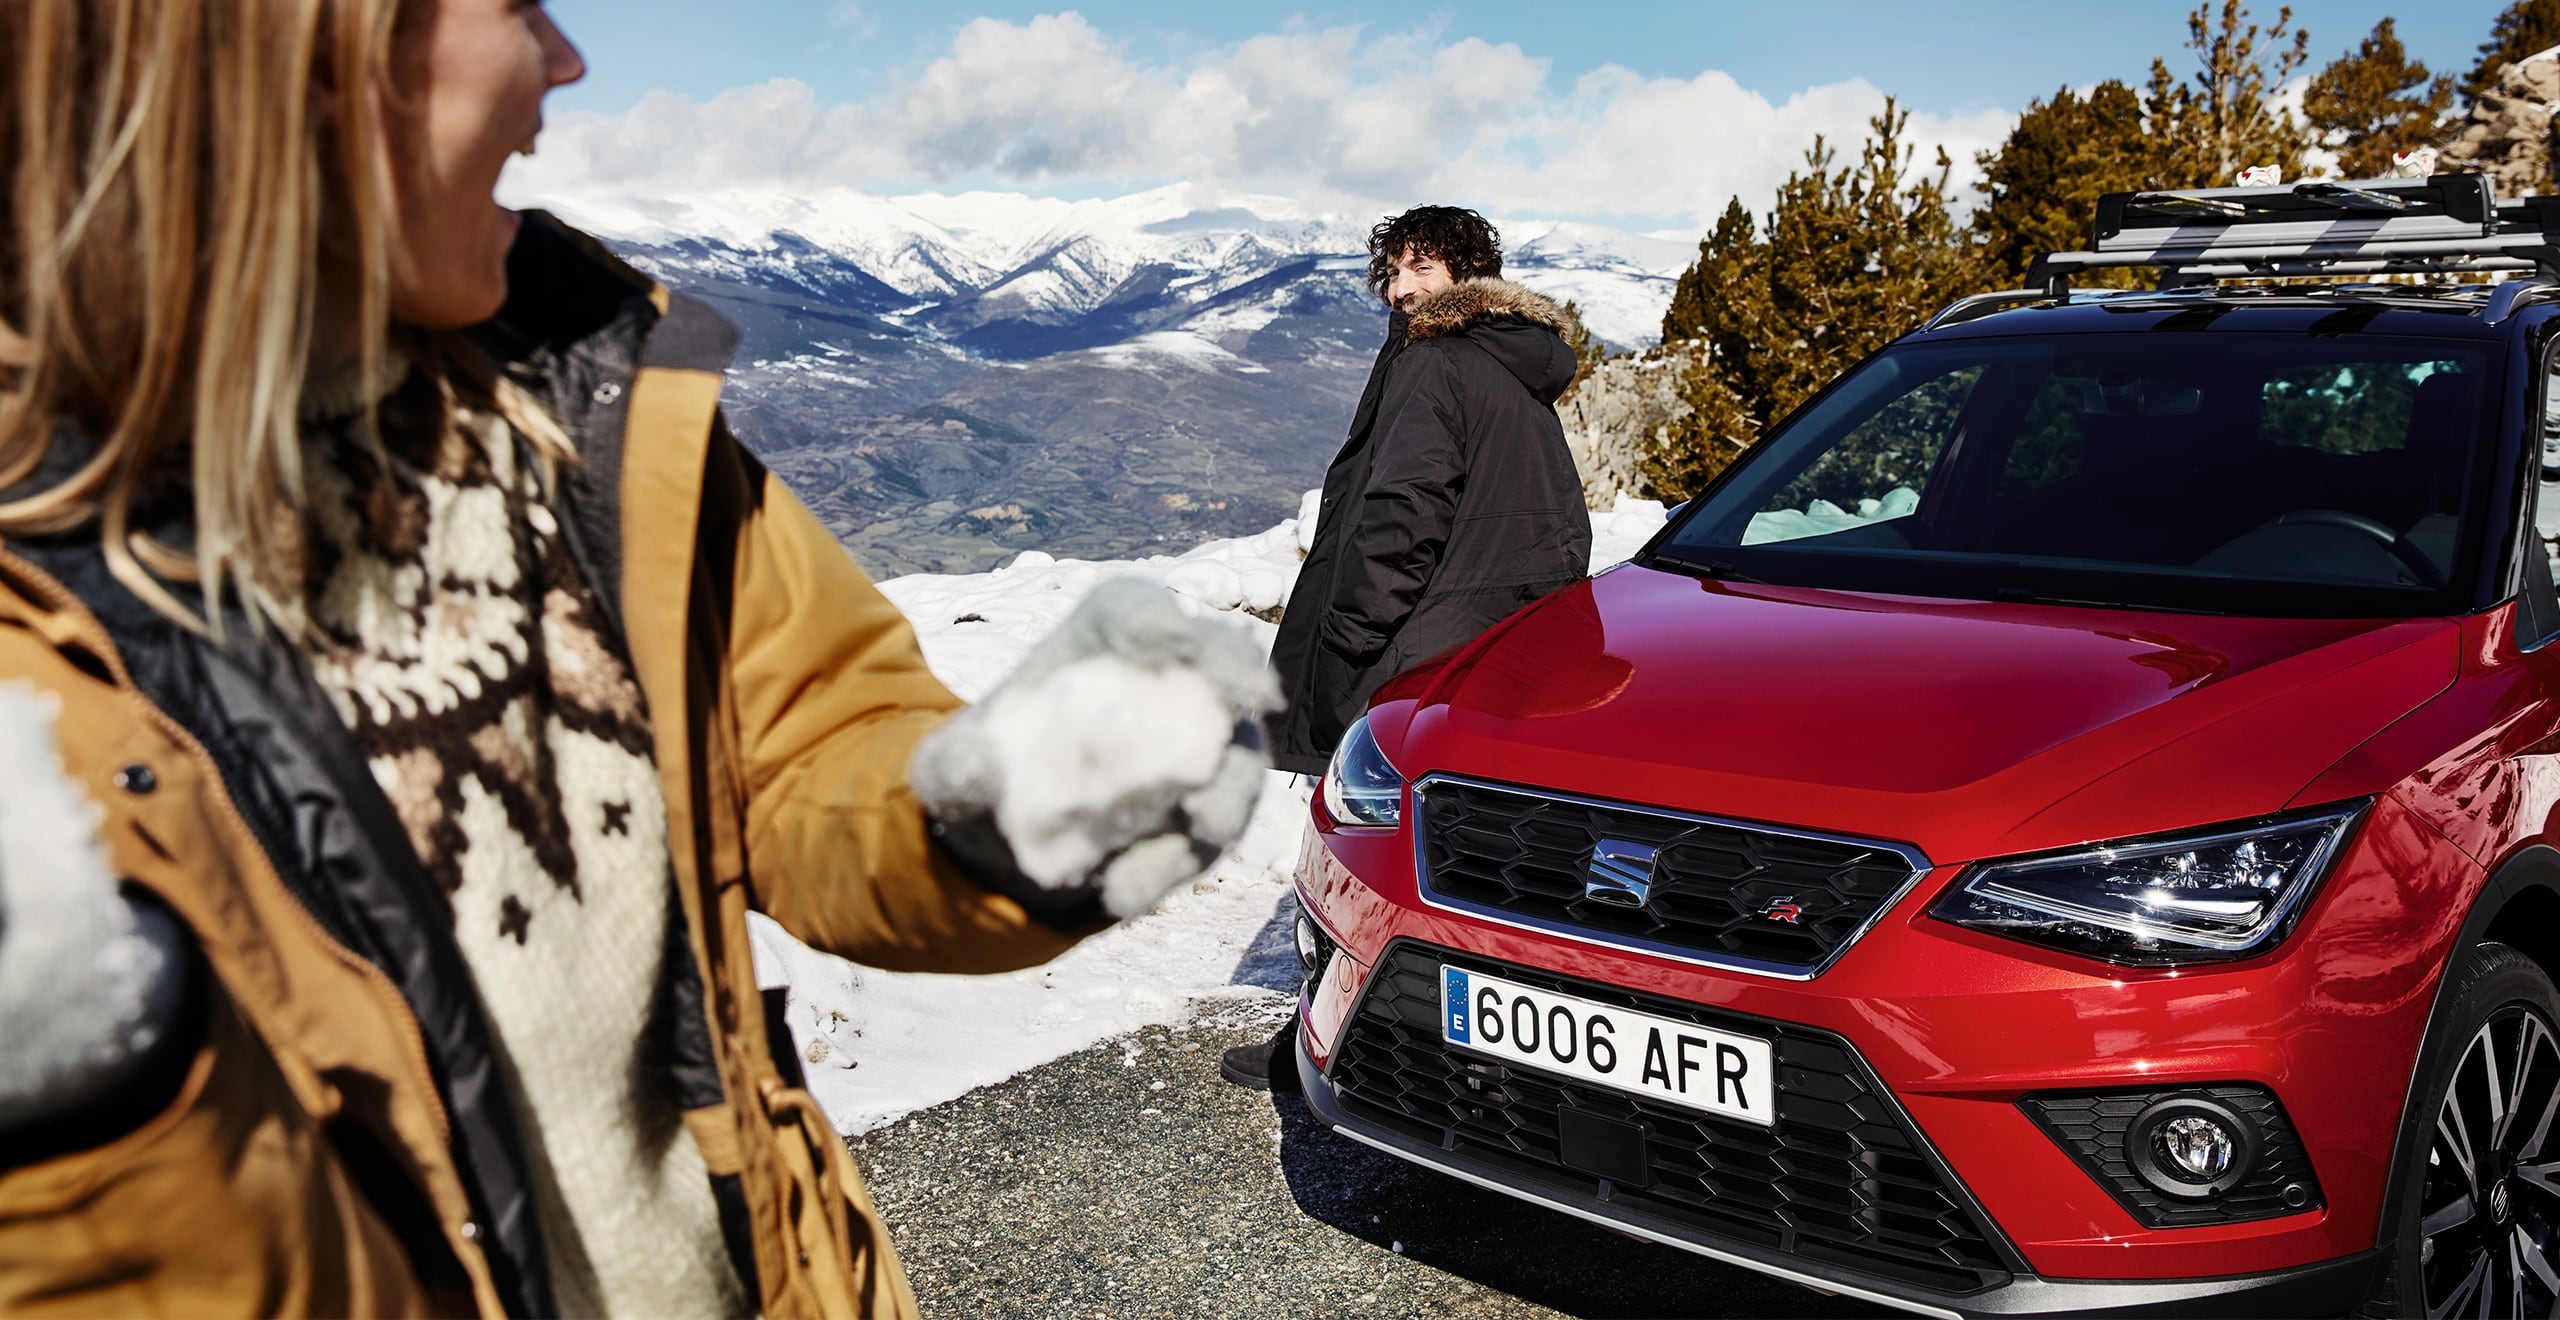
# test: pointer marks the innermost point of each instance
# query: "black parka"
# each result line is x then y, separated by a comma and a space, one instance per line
1453, 503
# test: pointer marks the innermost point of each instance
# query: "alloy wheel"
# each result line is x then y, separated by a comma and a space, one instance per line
2491, 1205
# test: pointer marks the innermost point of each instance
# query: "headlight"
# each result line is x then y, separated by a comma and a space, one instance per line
2226, 892
1360, 788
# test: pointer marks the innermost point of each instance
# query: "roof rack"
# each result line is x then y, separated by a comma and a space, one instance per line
2444, 224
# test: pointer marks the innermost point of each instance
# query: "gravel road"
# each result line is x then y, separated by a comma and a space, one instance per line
1130, 1181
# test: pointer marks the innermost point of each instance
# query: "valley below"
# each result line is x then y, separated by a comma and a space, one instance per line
950, 381
1151, 445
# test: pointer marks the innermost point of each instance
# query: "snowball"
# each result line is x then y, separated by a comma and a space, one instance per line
1063, 744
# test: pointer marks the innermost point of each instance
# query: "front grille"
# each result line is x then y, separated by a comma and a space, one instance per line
1721, 891
1841, 1178
2092, 1126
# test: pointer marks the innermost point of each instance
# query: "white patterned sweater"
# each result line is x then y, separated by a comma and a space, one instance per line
452, 629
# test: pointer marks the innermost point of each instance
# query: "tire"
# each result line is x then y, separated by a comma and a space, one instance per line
2477, 1229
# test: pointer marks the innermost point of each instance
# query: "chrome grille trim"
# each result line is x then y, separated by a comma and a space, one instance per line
1918, 862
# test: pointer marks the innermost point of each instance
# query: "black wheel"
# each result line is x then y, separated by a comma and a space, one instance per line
2479, 1213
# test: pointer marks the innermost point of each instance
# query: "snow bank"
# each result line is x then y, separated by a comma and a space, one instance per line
1623, 530
876, 1045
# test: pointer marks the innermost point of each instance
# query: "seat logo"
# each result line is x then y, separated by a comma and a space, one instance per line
1783, 908
1621, 873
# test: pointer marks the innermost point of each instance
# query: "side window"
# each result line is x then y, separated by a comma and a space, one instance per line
2551, 417
2538, 612
1877, 470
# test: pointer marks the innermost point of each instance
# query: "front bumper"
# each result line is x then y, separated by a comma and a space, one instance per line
2326, 1288
1956, 1028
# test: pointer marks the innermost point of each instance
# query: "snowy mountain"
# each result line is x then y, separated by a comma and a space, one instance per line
977, 258
951, 379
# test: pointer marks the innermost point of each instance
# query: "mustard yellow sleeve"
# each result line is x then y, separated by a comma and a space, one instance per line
831, 695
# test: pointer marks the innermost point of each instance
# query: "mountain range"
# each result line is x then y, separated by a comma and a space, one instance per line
948, 380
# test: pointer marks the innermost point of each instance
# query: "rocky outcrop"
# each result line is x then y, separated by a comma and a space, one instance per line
1611, 415
2508, 133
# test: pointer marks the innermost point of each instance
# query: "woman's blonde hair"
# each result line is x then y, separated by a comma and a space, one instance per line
191, 182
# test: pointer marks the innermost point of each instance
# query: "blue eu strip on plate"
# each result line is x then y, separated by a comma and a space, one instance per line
1454, 983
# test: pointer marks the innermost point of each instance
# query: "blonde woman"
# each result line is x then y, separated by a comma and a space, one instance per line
408, 685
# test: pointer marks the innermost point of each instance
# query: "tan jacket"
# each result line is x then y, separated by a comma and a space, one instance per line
786, 693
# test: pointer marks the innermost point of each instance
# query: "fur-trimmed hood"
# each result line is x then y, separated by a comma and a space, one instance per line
1463, 304
1522, 331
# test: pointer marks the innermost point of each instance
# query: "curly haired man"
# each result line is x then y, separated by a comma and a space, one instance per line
1453, 502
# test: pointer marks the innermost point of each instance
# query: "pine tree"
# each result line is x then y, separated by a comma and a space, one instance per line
1698, 445
1700, 301
2528, 27
2044, 182
2206, 132
2369, 104
1853, 258
1858, 257
1722, 301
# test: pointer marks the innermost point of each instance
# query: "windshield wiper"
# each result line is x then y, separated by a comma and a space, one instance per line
1719, 569
2022, 596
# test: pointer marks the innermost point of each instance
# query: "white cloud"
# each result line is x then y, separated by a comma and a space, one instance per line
1339, 118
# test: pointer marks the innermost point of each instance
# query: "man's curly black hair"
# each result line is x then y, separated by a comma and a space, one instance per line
1464, 242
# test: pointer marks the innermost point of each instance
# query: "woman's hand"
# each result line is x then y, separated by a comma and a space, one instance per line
1118, 760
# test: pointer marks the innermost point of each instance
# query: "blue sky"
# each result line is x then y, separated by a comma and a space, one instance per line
1954, 57
1645, 116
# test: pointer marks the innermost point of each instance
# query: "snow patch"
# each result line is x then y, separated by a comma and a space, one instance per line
1174, 347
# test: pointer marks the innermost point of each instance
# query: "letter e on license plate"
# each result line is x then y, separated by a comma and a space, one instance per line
1640, 1053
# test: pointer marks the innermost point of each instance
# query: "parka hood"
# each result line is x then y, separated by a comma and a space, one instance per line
1463, 304
1523, 331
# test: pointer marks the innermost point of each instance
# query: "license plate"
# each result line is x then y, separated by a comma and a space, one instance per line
1639, 1053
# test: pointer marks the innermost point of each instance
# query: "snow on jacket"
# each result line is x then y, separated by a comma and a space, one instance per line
1453, 503
330, 1136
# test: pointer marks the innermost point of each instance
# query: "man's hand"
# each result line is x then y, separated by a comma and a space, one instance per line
1120, 759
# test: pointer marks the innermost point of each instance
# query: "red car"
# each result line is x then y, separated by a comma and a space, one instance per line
2064, 825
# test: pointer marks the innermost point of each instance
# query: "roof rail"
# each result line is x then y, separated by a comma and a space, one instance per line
2512, 294
1979, 304
2442, 224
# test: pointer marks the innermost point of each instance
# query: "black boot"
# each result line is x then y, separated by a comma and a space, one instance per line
1265, 1064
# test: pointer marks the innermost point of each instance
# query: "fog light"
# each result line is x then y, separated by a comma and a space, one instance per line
2191, 1146
2195, 1147
1310, 945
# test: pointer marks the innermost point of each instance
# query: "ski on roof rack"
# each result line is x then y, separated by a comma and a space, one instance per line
2442, 224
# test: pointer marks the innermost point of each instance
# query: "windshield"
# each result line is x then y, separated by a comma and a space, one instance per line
2293, 476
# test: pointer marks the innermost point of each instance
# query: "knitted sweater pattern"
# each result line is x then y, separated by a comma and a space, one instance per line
451, 628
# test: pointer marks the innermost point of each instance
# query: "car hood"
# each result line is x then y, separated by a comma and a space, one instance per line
1967, 728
